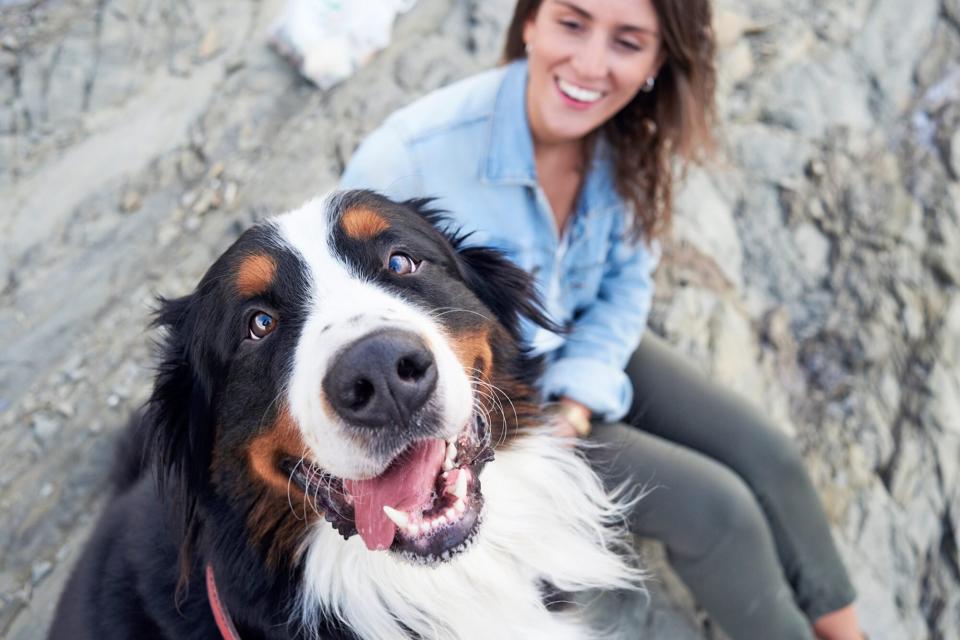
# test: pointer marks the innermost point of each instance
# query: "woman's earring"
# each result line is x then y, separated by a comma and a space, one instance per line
648, 85
528, 48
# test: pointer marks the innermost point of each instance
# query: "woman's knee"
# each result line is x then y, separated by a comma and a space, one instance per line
725, 512
776, 462
737, 512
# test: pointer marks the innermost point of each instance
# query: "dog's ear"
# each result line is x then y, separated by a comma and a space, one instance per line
504, 288
180, 408
179, 418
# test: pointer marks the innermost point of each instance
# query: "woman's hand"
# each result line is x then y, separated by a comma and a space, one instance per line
571, 419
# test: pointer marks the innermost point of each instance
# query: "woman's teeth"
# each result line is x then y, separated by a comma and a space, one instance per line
579, 94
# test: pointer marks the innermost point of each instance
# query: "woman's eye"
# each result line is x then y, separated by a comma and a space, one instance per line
402, 264
626, 44
570, 25
261, 325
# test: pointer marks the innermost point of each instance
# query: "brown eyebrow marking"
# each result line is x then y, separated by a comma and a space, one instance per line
255, 274
362, 223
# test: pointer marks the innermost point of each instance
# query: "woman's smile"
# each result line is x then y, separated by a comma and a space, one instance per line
577, 96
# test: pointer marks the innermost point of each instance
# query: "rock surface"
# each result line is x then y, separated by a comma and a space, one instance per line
814, 269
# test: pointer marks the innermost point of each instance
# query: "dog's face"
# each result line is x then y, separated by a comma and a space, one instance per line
347, 360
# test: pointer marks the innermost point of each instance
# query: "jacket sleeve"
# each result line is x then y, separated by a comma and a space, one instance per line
383, 163
589, 367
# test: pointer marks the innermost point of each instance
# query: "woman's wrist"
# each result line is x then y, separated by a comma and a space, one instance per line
575, 414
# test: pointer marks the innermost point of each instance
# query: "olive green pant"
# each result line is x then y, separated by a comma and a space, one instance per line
729, 498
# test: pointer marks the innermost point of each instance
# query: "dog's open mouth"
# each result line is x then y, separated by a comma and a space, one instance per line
426, 505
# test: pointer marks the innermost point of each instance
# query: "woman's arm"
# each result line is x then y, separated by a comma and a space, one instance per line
589, 368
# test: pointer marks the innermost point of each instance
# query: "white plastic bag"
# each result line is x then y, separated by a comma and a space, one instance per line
327, 40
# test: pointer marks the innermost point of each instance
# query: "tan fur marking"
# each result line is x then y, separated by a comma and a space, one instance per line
362, 224
280, 514
474, 352
282, 439
255, 274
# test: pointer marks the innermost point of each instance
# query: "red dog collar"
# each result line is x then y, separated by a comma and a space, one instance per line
224, 623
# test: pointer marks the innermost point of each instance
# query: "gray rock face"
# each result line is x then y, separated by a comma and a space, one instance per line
815, 269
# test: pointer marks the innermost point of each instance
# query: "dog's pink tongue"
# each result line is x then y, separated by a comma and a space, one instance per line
406, 485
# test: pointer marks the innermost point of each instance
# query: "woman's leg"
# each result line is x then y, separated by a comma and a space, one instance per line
673, 401
716, 536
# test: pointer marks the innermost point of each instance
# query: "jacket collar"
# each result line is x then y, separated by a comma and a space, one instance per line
509, 158
509, 154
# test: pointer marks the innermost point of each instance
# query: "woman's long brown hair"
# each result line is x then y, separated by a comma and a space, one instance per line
674, 120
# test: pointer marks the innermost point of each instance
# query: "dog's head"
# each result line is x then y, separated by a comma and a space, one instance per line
351, 361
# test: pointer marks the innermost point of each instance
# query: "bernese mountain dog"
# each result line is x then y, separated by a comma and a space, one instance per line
344, 441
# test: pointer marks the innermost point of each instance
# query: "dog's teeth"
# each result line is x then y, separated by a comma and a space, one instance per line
442, 520
460, 505
460, 490
399, 518
451, 514
450, 457
425, 527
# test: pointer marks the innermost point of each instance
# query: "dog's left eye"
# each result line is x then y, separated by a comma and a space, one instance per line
402, 264
261, 325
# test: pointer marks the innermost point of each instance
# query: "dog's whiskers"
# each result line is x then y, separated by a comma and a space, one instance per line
442, 311
290, 482
491, 392
482, 394
475, 378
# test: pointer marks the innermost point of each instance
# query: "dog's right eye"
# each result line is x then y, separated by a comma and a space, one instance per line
402, 264
261, 325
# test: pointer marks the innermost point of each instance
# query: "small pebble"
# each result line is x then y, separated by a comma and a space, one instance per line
131, 202
45, 427
40, 570
230, 193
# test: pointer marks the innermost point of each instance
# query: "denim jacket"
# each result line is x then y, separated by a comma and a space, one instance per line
469, 145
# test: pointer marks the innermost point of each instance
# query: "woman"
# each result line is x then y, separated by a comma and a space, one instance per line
562, 158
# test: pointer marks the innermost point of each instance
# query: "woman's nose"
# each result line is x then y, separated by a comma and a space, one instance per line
590, 59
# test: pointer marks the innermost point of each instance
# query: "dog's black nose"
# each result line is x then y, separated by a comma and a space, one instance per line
381, 379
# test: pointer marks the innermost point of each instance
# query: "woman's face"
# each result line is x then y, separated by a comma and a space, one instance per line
587, 59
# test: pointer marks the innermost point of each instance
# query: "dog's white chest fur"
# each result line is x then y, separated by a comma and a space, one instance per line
547, 518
